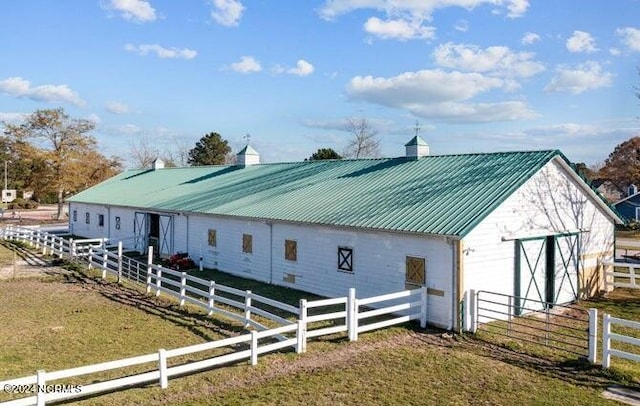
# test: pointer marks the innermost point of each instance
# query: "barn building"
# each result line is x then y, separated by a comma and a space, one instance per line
518, 223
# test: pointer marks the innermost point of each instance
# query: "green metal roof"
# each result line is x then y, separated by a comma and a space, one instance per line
447, 195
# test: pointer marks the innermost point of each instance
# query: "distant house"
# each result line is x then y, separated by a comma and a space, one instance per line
608, 189
517, 223
629, 207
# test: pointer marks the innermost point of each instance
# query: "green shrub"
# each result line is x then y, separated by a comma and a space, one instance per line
20, 203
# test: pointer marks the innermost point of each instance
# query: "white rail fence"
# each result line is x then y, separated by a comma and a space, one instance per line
312, 319
608, 339
615, 278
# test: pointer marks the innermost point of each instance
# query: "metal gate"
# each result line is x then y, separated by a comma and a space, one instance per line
561, 327
140, 231
165, 240
546, 272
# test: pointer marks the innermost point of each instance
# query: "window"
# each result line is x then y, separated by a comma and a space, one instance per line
290, 250
345, 259
637, 213
101, 220
75, 215
415, 272
247, 243
87, 218
212, 238
117, 223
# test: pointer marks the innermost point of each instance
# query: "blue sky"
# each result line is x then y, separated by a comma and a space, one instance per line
478, 75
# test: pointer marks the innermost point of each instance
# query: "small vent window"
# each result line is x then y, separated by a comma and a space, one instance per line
345, 259
212, 238
247, 243
290, 250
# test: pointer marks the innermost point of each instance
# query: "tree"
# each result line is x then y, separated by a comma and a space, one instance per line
211, 149
363, 142
65, 158
622, 166
324, 153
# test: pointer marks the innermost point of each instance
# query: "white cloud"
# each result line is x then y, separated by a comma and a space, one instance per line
19, 87
583, 77
135, 10
161, 52
416, 9
94, 118
116, 108
247, 64
615, 52
227, 12
498, 60
581, 41
462, 26
128, 129
398, 29
529, 38
630, 37
439, 95
303, 68
13, 118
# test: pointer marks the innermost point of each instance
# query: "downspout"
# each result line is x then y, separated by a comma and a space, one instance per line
270, 224
458, 285
109, 224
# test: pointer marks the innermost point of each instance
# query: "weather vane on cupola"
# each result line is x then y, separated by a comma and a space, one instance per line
417, 127
247, 137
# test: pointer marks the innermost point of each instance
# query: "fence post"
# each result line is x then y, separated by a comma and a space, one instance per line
254, 347
119, 260
183, 287
424, 307
158, 280
44, 245
201, 265
60, 247
606, 340
90, 257
509, 316
632, 274
352, 315
593, 335
149, 268
40, 388
302, 327
247, 308
547, 328
105, 259
212, 293
473, 311
162, 360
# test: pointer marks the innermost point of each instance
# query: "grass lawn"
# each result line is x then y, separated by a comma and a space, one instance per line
69, 321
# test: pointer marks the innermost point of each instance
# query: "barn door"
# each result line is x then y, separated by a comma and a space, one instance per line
165, 237
140, 231
531, 275
566, 268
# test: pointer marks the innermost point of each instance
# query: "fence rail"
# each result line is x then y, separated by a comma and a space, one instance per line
608, 338
617, 279
344, 314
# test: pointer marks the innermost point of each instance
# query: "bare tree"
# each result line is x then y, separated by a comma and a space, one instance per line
143, 153
363, 142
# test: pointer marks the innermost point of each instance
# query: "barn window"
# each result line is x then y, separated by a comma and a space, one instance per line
212, 240
87, 218
75, 215
101, 220
117, 223
345, 259
247, 243
290, 250
415, 272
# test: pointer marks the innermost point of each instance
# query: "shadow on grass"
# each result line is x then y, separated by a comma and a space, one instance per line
202, 325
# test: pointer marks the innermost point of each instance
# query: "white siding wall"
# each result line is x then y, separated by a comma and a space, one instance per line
379, 259
549, 202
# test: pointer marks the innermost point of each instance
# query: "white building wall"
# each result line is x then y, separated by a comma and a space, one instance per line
378, 258
550, 202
